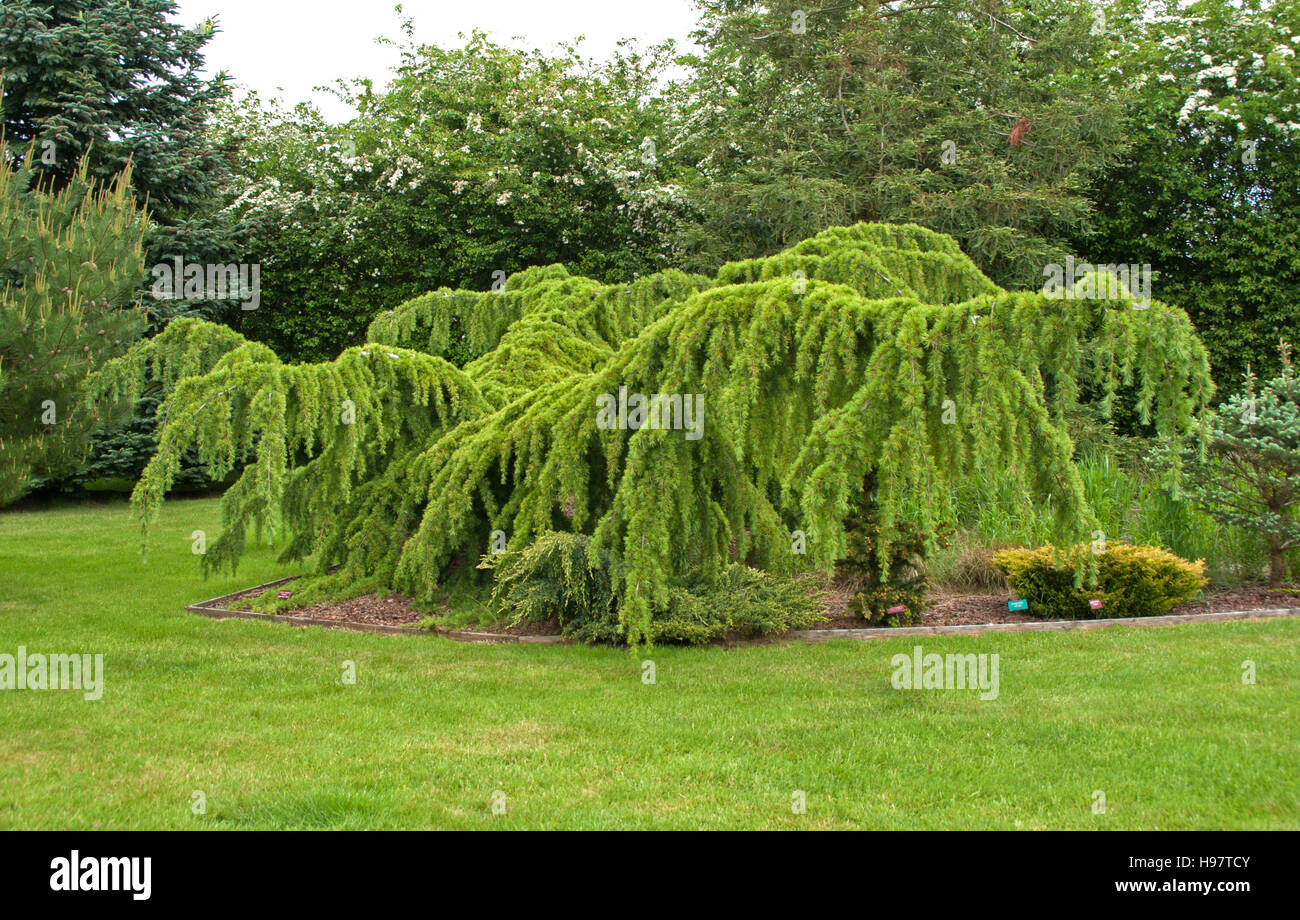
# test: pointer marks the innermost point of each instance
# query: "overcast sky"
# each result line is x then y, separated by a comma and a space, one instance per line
286, 47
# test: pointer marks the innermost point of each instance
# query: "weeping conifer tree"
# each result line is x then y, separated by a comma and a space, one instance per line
867, 353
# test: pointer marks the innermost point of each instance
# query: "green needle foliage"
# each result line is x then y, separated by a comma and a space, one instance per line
558, 577
867, 349
904, 585
983, 119
1250, 476
70, 263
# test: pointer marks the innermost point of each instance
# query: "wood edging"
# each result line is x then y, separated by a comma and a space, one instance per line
212, 608
976, 629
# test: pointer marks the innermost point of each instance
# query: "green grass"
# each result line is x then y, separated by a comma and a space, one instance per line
256, 716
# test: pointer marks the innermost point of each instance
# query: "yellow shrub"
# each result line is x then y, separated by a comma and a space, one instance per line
1130, 581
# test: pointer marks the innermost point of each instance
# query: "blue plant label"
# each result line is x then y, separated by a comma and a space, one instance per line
1018, 605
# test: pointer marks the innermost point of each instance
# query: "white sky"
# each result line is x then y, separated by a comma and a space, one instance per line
287, 47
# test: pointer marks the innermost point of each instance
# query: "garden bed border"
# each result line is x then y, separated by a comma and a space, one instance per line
213, 608
975, 629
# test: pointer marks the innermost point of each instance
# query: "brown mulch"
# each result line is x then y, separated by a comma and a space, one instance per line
371, 609
945, 609
393, 610
968, 609
1255, 597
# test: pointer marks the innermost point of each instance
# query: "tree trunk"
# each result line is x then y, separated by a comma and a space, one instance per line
1274, 560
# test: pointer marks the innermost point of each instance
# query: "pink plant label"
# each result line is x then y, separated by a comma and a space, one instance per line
899, 609
284, 594
1095, 604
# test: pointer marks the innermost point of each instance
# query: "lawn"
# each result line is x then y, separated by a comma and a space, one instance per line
257, 717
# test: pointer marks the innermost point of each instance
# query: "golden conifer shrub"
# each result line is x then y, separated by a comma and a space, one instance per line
1128, 581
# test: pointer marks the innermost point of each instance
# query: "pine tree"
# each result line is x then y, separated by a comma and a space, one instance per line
983, 119
119, 80
104, 83
875, 348
70, 263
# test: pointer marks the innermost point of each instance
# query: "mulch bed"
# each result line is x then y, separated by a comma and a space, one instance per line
1252, 598
369, 609
373, 610
945, 610
972, 609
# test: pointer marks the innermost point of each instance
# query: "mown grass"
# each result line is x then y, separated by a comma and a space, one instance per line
256, 716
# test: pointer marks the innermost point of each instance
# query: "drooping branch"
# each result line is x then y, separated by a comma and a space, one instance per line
785, 382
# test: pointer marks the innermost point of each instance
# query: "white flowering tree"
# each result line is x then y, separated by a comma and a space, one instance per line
475, 162
1207, 191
